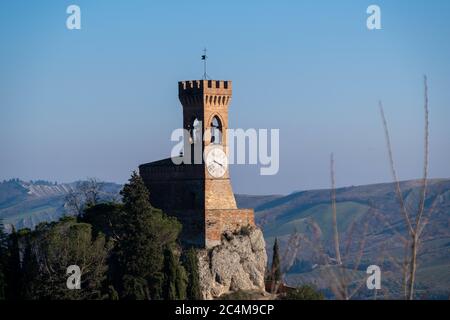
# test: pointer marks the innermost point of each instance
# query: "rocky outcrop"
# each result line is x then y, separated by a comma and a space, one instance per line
238, 263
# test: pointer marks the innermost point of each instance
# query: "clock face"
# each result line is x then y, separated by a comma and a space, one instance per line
216, 162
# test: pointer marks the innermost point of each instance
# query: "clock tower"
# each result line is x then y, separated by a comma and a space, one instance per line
196, 187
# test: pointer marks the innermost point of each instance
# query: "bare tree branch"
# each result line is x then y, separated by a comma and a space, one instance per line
394, 172
333, 208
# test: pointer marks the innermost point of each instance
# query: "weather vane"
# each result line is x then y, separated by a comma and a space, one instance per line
204, 58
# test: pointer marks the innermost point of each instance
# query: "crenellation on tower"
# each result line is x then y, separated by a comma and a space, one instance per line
193, 87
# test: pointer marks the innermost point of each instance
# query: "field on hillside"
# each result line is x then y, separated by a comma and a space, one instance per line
26, 204
370, 227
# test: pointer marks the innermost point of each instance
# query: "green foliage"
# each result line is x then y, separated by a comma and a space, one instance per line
141, 234
191, 267
29, 267
175, 278
105, 218
170, 272
2, 284
181, 282
3, 260
276, 265
124, 251
112, 293
51, 248
13, 267
305, 292
135, 288
146, 231
156, 286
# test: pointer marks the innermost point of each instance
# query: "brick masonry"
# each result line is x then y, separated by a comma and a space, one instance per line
205, 205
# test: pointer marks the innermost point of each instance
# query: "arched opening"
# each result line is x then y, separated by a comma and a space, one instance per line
216, 130
195, 130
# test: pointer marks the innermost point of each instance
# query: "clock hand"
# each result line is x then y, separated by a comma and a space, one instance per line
218, 163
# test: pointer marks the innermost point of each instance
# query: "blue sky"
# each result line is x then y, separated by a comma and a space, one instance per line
98, 102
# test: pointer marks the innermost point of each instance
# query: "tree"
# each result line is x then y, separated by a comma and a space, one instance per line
144, 233
29, 269
3, 260
181, 282
414, 222
105, 218
86, 194
112, 293
135, 288
174, 277
334, 214
2, 283
276, 265
13, 267
53, 247
170, 275
191, 265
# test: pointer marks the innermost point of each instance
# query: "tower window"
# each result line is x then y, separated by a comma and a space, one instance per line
216, 130
195, 131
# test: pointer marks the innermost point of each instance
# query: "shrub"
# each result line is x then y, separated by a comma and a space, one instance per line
305, 292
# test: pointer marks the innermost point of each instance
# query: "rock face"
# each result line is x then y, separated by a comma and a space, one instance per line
238, 263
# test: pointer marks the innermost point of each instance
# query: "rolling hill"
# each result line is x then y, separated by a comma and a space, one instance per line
371, 229
26, 204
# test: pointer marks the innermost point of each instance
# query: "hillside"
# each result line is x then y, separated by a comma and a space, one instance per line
25, 204
367, 215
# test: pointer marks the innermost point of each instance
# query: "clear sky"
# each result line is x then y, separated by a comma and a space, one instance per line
99, 101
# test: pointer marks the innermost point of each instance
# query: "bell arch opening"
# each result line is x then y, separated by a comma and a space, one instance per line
216, 130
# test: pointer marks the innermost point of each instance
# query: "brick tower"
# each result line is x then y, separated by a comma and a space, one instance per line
198, 191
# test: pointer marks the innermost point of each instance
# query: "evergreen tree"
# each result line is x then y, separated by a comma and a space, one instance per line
2, 283
191, 265
105, 218
170, 275
30, 269
51, 248
13, 267
112, 293
276, 266
144, 234
181, 282
3, 260
156, 286
135, 288
174, 277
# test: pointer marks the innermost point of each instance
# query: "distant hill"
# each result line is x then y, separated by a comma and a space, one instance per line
25, 204
308, 213
250, 201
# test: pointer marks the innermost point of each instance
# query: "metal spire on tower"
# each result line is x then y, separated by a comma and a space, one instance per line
204, 58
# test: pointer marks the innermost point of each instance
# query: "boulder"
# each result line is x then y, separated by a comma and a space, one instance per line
238, 263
